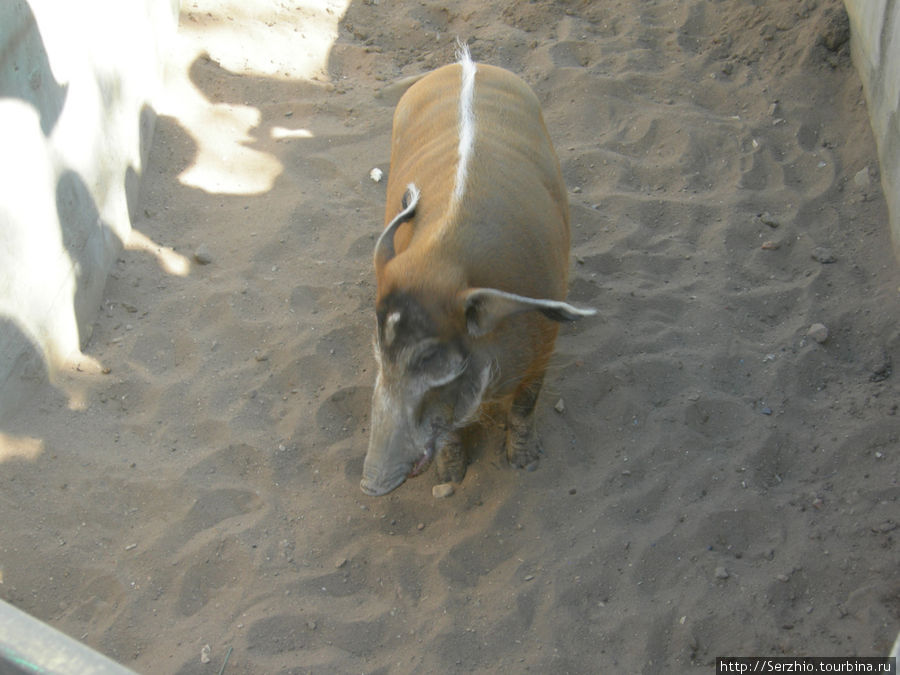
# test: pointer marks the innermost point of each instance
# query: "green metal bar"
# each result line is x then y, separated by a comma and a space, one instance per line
31, 647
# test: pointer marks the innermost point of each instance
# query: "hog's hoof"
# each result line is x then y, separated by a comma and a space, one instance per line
450, 464
523, 450
528, 460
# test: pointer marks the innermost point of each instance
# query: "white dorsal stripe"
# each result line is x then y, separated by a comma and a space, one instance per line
466, 122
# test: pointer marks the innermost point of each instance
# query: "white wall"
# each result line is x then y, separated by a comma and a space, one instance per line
875, 30
76, 84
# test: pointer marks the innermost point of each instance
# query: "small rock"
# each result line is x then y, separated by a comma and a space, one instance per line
203, 255
783, 578
204, 654
766, 411
837, 31
818, 332
722, 573
823, 255
560, 406
376, 174
881, 367
576, 190
420, 527
861, 178
442, 490
340, 563
311, 625
770, 246
767, 219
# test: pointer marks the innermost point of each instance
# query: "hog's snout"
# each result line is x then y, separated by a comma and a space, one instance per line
377, 482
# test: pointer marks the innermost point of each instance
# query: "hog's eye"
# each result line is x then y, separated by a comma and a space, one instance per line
431, 361
437, 365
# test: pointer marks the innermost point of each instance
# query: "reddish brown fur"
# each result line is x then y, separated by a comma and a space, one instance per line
470, 282
511, 231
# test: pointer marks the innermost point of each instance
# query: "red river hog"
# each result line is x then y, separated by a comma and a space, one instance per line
471, 272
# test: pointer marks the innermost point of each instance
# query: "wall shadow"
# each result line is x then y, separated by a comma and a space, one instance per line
147, 122
87, 240
25, 67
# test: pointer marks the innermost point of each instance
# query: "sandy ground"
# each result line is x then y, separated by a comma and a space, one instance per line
717, 482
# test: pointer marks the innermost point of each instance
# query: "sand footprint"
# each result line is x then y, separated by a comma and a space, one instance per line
322, 640
340, 415
212, 568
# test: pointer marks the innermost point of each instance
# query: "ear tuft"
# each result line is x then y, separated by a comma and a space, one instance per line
563, 312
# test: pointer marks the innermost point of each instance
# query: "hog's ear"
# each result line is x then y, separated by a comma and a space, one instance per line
484, 308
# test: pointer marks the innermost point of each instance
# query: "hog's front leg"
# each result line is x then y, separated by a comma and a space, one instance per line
523, 449
450, 459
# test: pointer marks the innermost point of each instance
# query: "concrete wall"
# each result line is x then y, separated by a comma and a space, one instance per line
76, 83
875, 30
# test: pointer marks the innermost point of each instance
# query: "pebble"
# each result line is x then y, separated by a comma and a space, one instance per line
770, 246
203, 255
442, 490
420, 527
881, 367
823, 255
767, 219
885, 527
818, 332
861, 178
340, 563
376, 174
204, 654
722, 573
560, 406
